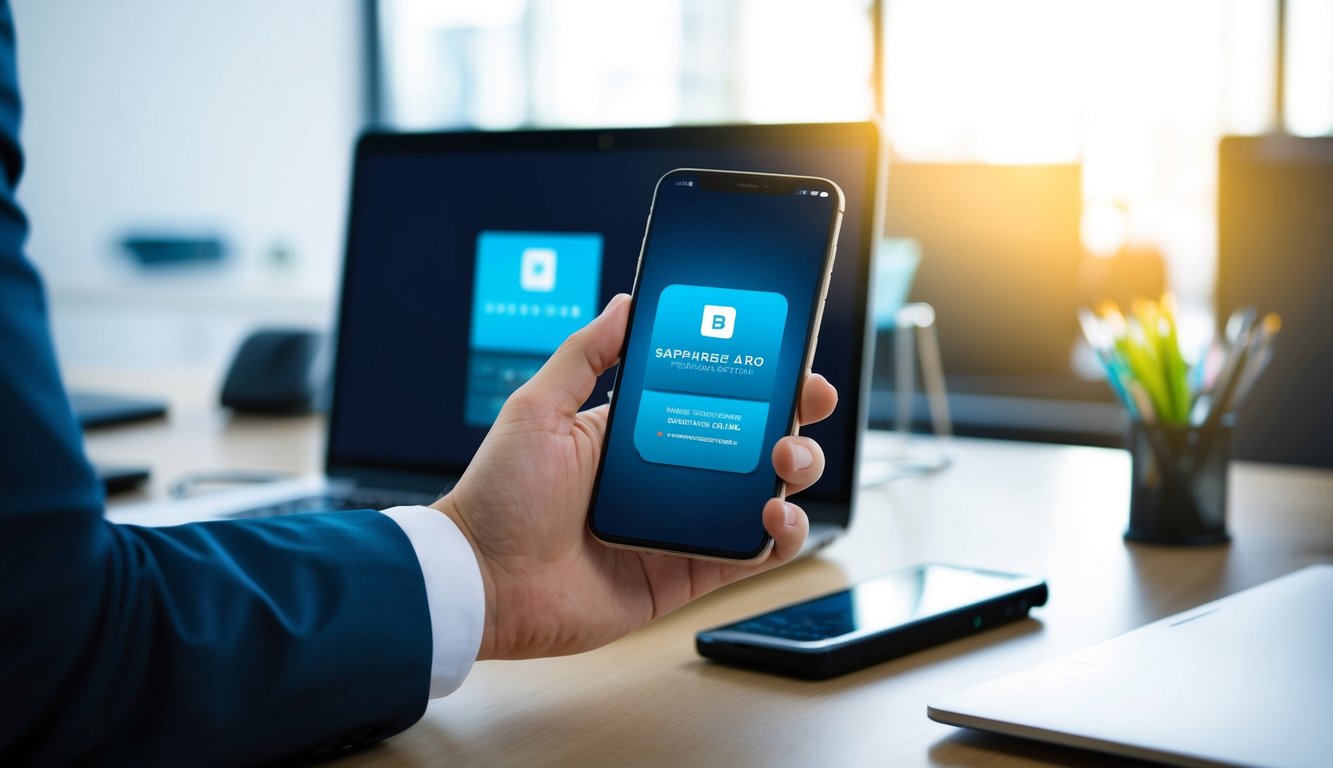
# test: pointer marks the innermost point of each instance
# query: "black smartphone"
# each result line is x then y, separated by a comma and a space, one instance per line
117, 479
726, 305
879, 619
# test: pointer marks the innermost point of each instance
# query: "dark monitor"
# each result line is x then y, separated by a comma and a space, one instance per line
1000, 252
1000, 255
441, 317
1275, 252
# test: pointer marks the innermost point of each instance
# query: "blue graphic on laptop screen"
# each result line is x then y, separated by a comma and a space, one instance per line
532, 290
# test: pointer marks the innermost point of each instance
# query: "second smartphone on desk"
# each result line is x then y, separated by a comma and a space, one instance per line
879, 619
727, 302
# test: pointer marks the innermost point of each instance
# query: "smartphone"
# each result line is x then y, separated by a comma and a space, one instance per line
723, 325
879, 619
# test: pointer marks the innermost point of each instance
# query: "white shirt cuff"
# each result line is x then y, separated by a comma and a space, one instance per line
454, 593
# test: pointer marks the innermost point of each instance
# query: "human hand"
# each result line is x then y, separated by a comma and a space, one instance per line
551, 588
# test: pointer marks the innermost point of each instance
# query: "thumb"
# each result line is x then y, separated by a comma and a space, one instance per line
567, 379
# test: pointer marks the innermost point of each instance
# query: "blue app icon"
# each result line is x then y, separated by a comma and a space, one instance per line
533, 289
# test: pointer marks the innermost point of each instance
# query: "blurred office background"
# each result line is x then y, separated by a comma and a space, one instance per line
1043, 152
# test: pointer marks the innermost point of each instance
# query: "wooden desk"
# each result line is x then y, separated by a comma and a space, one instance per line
649, 699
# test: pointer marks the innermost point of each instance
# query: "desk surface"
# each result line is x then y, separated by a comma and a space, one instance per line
1049, 510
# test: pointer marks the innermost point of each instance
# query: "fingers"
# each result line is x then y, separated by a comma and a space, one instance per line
818, 399
567, 379
788, 525
799, 461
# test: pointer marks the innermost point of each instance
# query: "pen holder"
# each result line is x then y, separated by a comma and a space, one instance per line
1178, 494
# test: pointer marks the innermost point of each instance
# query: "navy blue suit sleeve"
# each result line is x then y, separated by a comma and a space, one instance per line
217, 643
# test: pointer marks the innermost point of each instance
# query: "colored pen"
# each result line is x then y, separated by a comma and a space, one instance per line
1259, 355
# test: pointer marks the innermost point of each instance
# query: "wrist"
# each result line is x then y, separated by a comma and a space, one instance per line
448, 506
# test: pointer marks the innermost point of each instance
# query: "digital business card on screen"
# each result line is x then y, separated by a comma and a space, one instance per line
709, 377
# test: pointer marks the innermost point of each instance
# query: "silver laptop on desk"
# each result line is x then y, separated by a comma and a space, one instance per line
1246, 680
470, 256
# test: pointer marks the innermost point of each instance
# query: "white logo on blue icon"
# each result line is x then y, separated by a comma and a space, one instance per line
537, 270
718, 322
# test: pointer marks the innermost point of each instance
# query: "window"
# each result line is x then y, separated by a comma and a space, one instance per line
511, 63
1136, 91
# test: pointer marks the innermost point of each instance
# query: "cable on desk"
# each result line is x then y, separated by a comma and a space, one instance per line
188, 484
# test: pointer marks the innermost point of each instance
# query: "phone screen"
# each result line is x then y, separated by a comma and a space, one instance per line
882, 603
727, 292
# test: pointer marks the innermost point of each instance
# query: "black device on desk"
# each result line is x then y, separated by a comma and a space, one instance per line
879, 619
276, 371
99, 409
117, 479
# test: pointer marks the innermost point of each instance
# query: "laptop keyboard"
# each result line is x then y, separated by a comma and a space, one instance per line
326, 503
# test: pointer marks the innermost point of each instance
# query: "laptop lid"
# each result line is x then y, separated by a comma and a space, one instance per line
1245, 680
471, 256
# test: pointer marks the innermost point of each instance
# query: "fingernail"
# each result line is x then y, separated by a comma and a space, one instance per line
788, 514
802, 455
613, 301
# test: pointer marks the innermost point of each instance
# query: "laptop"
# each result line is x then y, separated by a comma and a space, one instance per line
1245, 680
441, 315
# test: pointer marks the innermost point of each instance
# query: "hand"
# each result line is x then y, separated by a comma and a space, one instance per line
551, 588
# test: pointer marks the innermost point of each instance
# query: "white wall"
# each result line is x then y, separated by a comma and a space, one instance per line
236, 116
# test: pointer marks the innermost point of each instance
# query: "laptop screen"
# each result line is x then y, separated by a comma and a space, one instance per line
471, 256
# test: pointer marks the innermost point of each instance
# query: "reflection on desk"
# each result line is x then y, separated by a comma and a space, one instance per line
1053, 511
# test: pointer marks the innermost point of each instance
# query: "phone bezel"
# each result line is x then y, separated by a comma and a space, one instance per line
753, 183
